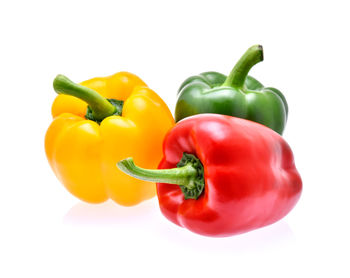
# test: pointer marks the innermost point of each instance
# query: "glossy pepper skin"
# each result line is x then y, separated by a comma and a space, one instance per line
237, 95
248, 171
83, 152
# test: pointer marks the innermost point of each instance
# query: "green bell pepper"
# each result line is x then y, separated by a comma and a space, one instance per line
238, 95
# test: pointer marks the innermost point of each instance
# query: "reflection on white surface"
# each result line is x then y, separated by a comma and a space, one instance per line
108, 214
277, 235
148, 220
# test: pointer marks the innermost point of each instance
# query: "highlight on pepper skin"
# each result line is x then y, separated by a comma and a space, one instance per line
97, 123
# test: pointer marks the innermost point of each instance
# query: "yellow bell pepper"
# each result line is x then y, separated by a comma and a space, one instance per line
98, 123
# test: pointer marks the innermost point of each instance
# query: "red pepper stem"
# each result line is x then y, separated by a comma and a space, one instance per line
184, 175
100, 106
189, 174
240, 71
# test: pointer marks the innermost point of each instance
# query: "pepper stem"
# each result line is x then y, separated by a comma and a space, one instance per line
240, 71
188, 175
100, 106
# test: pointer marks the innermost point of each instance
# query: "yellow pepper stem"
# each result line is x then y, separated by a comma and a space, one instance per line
100, 106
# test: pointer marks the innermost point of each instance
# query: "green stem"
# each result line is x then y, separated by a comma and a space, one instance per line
240, 71
189, 174
100, 106
184, 175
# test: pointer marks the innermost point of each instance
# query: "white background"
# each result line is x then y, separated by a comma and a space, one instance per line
46, 232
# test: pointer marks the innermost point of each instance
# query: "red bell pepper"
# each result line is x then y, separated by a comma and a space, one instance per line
235, 175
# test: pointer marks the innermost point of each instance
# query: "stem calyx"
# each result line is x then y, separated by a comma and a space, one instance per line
195, 187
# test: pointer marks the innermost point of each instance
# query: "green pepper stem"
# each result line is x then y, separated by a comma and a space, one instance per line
100, 106
240, 71
185, 175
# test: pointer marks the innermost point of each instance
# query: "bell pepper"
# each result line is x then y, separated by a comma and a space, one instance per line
238, 95
90, 133
223, 175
